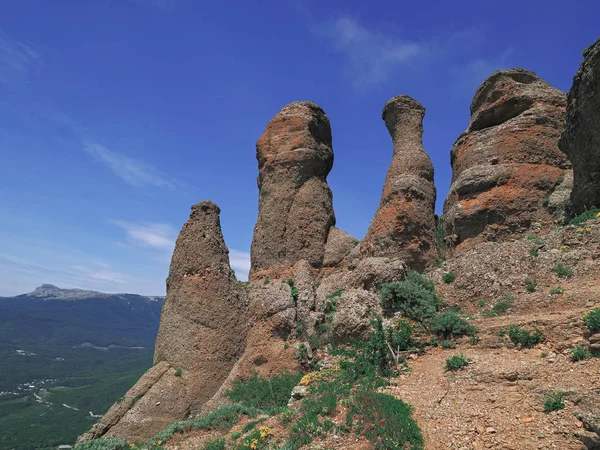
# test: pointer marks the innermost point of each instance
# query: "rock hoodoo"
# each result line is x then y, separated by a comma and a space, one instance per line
508, 160
404, 224
581, 138
295, 205
202, 334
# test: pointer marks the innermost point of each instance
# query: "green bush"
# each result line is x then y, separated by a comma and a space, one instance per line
222, 419
501, 307
530, 285
521, 336
554, 401
104, 444
534, 252
592, 321
268, 395
448, 344
448, 324
449, 277
385, 420
585, 216
562, 271
216, 444
414, 297
534, 239
178, 373
580, 352
556, 291
456, 362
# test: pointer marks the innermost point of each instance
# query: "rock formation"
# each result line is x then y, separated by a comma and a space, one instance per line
508, 160
404, 224
581, 138
295, 206
202, 334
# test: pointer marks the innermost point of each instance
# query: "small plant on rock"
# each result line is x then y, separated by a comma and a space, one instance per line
177, 373
534, 252
456, 362
580, 353
523, 337
592, 321
554, 401
449, 277
562, 271
585, 216
448, 344
531, 285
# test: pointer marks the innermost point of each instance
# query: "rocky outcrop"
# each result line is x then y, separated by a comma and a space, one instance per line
339, 245
404, 224
581, 138
508, 160
295, 206
202, 334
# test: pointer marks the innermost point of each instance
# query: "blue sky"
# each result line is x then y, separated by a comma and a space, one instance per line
117, 115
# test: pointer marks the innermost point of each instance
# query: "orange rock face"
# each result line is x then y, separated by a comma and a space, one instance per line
295, 205
508, 160
404, 224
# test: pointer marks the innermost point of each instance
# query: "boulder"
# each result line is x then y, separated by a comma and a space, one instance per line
581, 137
339, 245
404, 224
295, 205
508, 160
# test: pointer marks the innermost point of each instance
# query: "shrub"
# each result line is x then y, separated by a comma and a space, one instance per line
556, 291
534, 239
501, 307
530, 285
579, 353
294, 289
222, 419
456, 362
448, 344
554, 401
534, 252
449, 277
216, 444
178, 373
592, 321
414, 297
268, 395
448, 324
521, 336
385, 420
588, 214
562, 271
104, 444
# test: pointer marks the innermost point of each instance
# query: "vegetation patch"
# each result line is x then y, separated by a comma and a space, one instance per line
414, 297
501, 307
554, 401
260, 393
522, 336
104, 444
456, 362
449, 277
580, 353
562, 271
588, 214
450, 324
592, 321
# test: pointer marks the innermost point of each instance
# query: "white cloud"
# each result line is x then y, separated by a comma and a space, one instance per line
372, 56
132, 171
240, 263
16, 59
159, 236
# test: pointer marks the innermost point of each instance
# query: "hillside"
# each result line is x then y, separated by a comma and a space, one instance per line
67, 354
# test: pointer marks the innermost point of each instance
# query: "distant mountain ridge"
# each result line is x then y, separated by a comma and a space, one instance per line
49, 291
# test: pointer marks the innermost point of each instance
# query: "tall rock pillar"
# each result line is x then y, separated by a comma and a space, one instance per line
295, 205
404, 224
581, 138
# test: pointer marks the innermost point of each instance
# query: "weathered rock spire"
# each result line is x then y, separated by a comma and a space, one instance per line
404, 224
581, 138
295, 206
508, 159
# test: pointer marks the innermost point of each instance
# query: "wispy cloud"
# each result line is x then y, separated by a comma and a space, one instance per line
471, 74
16, 59
240, 263
158, 236
132, 171
372, 56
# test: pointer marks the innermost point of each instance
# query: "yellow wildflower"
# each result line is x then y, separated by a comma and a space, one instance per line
265, 431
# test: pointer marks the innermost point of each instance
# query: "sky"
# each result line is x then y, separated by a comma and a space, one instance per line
117, 115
